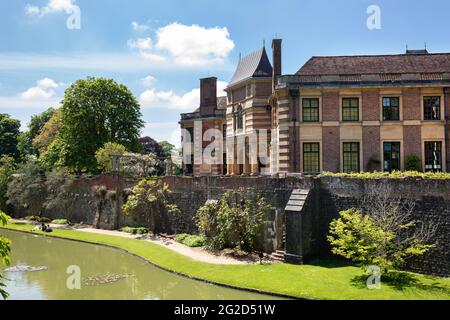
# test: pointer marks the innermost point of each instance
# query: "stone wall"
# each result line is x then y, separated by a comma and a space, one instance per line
328, 196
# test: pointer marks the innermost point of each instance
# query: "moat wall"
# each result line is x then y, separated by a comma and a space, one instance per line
328, 196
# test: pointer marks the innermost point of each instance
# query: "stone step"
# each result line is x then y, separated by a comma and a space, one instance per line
300, 192
294, 208
298, 197
296, 203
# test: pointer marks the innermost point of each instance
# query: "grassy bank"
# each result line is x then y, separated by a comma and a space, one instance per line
322, 280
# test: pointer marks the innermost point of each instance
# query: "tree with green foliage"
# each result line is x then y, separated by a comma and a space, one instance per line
233, 221
37, 123
7, 169
413, 163
9, 134
381, 232
5, 249
94, 111
150, 202
48, 132
104, 155
167, 148
27, 190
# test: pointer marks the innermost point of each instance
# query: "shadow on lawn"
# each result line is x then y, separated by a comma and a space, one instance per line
399, 280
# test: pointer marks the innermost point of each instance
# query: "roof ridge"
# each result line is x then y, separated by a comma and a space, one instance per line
382, 55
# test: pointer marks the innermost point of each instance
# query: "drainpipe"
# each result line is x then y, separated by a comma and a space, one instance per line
447, 119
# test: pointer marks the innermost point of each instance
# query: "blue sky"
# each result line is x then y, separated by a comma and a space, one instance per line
160, 49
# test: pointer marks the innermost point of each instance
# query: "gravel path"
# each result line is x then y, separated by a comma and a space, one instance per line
198, 254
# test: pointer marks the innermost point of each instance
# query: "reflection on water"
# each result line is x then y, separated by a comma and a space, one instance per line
146, 282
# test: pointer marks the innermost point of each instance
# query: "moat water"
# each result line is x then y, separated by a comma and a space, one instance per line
105, 274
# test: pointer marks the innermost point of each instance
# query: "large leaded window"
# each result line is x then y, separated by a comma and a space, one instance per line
433, 156
391, 156
350, 109
311, 158
310, 110
391, 109
350, 151
432, 108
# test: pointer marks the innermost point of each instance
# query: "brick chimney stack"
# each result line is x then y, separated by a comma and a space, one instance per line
276, 60
208, 95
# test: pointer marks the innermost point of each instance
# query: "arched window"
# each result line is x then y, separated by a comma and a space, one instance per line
240, 119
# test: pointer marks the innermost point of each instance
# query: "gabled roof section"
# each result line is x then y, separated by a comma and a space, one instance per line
254, 65
417, 63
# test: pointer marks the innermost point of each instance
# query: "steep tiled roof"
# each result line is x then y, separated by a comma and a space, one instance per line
381, 64
256, 64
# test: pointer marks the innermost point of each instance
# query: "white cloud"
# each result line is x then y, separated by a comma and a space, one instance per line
145, 47
141, 44
53, 6
148, 81
44, 89
152, 98
139, 27
189, 46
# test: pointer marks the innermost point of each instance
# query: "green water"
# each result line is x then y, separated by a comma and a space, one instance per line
143, 280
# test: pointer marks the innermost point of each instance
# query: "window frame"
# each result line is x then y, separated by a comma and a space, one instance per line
310, 108
383, 107
318, 156
352, 153
343, 108
441, 156
424, 106
399, 143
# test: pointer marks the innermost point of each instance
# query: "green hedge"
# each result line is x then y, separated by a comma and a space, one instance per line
60, 221
190, 240
389, 175
140, 230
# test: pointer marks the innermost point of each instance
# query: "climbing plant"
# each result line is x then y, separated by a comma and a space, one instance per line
150, 201
234, 221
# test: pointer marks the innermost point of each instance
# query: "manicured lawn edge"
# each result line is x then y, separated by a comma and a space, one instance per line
279, 280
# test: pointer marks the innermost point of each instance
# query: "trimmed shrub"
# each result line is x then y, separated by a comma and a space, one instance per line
413, 163
139, 230
190, 240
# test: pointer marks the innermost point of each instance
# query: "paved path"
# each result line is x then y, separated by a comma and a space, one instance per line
198, 254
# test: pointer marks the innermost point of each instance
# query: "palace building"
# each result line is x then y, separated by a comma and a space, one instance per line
337, 114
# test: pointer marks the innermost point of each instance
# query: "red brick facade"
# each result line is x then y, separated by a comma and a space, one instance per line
331, 149
371, 148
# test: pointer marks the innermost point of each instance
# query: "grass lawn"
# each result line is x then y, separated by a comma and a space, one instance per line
321, 280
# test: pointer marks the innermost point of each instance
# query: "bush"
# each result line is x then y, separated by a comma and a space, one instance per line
413, 163
150, 202
132, 230
104, 155
190, 240
234, 221
389, 175
61, 221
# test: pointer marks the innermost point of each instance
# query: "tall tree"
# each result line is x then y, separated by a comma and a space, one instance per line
151, 146
95, 111
48, 132
36, 125
9, 132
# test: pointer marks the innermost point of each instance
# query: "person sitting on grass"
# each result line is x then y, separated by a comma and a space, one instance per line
48, 229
